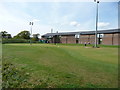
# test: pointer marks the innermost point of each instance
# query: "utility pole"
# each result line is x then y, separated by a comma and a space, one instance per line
96, 23
31, 24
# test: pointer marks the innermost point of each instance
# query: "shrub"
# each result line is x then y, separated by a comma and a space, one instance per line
13, 77
15, 41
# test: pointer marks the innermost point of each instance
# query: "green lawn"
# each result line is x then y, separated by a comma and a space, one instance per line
65, 66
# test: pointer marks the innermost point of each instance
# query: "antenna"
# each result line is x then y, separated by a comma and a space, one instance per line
51, 30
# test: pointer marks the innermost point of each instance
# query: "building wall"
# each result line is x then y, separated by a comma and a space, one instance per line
63, 39
92, 39
108, 39
87, 38
83, 39
71, 39
68, 39
116, 39
111, 39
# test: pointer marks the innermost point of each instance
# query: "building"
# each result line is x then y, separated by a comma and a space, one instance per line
105, 37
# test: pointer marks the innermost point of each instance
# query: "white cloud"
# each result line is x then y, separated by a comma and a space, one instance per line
35, 20
103, 24
14, 23
15, 20
74, 23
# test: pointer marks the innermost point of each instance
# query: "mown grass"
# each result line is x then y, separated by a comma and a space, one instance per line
65, 66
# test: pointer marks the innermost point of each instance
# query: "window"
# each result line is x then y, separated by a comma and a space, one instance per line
77, 36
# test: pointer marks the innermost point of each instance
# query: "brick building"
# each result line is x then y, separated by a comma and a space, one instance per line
109, 37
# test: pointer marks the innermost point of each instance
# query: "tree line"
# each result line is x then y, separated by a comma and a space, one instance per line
22, 35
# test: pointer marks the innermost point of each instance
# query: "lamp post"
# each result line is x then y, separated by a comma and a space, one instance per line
31, 24
96, 22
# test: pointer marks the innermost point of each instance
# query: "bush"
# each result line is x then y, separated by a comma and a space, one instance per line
15, 41
13, 77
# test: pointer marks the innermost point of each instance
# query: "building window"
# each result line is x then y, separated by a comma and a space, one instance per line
77, 36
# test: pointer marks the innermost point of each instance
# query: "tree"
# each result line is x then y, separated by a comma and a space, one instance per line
5, 34
35, 37
23, 35
8, 36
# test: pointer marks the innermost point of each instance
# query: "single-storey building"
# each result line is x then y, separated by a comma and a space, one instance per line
105, 37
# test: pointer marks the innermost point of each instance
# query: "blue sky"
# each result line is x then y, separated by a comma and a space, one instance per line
61, 16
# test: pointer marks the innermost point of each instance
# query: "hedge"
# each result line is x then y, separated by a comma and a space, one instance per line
17, 41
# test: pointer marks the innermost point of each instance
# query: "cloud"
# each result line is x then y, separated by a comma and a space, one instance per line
15, 17
74, 23
35, 20
103, 24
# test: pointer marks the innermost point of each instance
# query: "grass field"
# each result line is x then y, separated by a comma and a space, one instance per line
65, 66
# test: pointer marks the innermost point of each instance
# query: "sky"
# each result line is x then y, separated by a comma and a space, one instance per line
56, 15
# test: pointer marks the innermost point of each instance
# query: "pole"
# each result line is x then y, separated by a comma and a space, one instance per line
31, 35
51, 30
96, 24
31, 23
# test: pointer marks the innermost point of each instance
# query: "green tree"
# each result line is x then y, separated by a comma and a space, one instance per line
35, 37
23, 35
8, 36
5, 34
